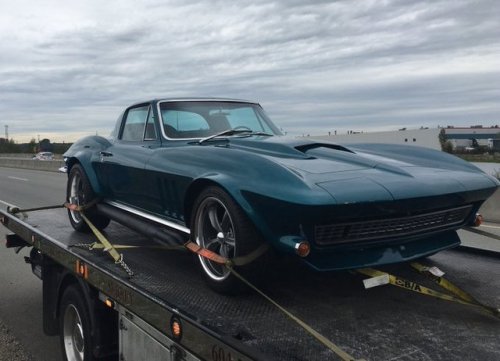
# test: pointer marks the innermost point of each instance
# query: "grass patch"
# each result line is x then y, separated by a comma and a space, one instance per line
490, 158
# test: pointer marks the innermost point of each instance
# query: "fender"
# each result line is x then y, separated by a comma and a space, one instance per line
85, 152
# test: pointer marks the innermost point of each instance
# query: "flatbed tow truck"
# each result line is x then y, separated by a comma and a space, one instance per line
165, 311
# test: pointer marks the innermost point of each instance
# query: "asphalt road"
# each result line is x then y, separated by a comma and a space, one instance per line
21, 334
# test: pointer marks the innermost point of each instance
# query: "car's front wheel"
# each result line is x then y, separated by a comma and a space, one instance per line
220, 225
79, 191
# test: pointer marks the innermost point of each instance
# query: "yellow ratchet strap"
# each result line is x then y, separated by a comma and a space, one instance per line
107, 246
459, 296
436, 275
344, 356
243, 260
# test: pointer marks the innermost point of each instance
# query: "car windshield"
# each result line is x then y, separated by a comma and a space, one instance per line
201, 119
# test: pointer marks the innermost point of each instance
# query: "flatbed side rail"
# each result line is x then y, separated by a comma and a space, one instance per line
197, 338
482, 232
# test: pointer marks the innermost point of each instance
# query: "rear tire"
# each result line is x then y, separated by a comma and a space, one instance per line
80, 191
75, 327
219, 224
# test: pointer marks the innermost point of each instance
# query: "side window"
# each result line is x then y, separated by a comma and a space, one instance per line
133, 129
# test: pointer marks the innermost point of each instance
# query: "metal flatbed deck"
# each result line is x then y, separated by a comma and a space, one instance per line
384, 323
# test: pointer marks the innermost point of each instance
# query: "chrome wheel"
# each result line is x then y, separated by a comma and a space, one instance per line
215, 232
220, 225
73, 336
79, 191
76, 195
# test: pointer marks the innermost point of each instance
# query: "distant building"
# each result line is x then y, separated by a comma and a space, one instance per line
461, 138
477, 135
428, 138
494, 145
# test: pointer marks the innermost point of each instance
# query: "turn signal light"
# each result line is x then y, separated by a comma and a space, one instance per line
82, 269
478, 221
176, 328
109, 303
303, 248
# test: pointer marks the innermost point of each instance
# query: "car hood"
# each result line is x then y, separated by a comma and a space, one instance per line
369, 172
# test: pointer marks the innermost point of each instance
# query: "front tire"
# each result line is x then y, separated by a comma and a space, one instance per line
219, 224
80, 191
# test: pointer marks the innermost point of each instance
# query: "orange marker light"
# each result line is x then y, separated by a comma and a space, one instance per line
109, 303
303, 248
82, 269
176, 328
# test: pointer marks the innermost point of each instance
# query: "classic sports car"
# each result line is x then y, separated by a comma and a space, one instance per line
221, 171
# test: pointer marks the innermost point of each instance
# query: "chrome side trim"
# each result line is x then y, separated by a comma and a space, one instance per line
151, 217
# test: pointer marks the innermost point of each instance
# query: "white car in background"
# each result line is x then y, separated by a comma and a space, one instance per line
44, 156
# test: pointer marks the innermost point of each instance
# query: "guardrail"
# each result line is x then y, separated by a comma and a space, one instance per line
26, 163
26, 155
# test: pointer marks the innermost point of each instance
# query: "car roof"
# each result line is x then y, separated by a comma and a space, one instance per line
187, 99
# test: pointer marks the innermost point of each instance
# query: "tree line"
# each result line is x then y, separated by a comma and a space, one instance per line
45, 145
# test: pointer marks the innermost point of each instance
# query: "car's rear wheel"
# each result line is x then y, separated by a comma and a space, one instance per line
79, 191
220, 225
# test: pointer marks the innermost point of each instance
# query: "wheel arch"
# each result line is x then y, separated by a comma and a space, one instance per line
70, 162
89, 172
228, 186
69, 280
193, 191
102, 319
85, 152
198, 185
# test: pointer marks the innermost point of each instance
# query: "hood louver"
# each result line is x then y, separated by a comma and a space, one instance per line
306, 147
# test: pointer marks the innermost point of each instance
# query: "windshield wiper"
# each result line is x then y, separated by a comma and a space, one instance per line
233, 132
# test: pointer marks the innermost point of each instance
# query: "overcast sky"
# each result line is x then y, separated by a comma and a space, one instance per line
67, 68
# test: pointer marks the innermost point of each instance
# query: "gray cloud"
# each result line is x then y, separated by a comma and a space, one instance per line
315, 66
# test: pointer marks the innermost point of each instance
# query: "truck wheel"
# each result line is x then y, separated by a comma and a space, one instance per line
220, 225
80, 191
74, 326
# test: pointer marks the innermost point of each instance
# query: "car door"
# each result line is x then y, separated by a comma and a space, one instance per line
122, 164
172, 168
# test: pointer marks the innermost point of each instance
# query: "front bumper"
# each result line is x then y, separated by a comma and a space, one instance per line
369, 256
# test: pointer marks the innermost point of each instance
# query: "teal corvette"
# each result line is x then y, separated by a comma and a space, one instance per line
221, 172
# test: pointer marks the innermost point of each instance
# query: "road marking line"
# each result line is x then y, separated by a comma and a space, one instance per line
485, 225
17, 178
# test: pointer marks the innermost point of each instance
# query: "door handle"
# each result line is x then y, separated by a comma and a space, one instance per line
106, 154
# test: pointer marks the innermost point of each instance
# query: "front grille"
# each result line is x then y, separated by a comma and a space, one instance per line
389, 228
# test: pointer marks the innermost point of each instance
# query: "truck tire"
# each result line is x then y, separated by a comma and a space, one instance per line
74, 326
79, 189
219, 224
